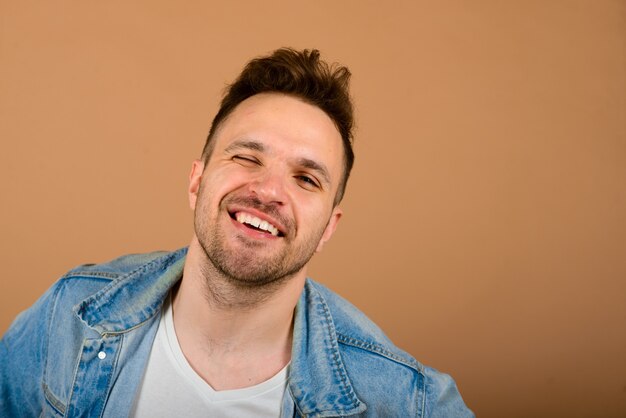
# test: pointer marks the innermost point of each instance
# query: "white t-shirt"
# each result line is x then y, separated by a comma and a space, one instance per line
171, 388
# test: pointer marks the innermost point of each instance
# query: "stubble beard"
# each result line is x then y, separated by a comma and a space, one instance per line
242, 266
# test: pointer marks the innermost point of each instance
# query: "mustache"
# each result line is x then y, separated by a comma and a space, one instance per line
270, 209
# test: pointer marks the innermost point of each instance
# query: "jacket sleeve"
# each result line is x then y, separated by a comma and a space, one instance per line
23, 350
443, 399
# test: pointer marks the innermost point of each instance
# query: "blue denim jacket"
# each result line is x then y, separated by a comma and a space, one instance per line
81, 350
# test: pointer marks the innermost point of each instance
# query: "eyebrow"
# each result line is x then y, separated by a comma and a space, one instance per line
245, 144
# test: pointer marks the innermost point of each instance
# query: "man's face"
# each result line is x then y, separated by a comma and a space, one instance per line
264, 200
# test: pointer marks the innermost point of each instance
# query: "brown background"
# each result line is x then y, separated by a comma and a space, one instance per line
484, 227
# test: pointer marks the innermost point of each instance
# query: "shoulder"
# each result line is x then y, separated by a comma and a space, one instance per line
354, 328
87, 279
56, 305
383, 375
43, 341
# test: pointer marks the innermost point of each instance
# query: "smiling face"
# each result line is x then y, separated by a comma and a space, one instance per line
264, 200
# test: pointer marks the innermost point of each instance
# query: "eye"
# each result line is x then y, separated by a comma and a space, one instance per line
307, 182
245, 160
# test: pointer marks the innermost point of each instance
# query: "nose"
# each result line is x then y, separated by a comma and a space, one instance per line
269, 187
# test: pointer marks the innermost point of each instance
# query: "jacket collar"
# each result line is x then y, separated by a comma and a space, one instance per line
134, 297
318, 381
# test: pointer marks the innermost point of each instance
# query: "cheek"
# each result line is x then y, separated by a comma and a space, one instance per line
314, 214
220, 183
233, 176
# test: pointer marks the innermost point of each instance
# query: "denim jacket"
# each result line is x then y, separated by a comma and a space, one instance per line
81, 350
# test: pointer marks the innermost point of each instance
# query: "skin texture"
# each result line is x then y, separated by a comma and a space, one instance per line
281, 160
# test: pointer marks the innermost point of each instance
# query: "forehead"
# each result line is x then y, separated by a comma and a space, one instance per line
287, 127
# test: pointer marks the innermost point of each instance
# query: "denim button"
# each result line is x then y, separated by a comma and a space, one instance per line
102, 355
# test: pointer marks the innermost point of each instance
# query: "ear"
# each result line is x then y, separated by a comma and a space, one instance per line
330, 227
195, 178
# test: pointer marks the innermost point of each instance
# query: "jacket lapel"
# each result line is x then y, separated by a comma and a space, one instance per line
318, 381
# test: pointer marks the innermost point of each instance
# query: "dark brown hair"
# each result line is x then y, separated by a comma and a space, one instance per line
301, 74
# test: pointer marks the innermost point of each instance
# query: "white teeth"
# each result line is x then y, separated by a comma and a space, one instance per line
246, 218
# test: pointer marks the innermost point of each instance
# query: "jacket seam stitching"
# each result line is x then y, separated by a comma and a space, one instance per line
424, 391
117, 275
126, 330
296, 407
92, 274
113, 367
51, 310
75, 374
422, 408
338, 364
52, 400
377, 349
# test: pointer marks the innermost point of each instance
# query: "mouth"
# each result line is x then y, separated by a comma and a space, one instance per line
256, 223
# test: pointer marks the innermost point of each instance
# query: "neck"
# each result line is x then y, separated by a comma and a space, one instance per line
222, 327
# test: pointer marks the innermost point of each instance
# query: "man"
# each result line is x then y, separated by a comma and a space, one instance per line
231, 326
